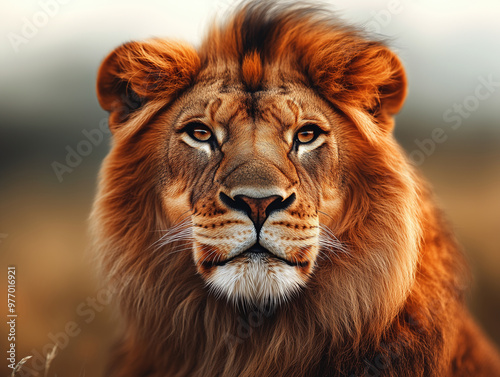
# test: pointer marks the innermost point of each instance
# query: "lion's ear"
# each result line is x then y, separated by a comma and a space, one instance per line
137, 72
370, 81
379, 83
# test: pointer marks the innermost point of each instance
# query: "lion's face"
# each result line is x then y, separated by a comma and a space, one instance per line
254, 172
242, 162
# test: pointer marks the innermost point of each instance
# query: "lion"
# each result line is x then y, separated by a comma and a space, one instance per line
256, 217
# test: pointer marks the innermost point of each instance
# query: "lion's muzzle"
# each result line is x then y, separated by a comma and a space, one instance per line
257, 209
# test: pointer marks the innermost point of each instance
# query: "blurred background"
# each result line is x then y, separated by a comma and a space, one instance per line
50, 51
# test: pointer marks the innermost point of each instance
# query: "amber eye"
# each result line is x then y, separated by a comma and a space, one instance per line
307, 134
199, 132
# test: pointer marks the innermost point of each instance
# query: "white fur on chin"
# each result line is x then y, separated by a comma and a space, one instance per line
256, 280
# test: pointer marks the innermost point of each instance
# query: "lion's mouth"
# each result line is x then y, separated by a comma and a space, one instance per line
256, 251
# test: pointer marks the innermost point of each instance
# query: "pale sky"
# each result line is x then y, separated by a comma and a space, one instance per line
446, 45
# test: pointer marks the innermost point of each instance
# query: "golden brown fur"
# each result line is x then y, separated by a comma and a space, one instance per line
363, 277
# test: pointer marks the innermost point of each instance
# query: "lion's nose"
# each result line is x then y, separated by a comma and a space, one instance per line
258, 209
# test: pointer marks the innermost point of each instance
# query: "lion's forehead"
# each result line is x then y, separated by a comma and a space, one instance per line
278, 108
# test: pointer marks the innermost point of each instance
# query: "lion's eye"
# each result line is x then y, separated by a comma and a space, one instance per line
307, 134
199, 132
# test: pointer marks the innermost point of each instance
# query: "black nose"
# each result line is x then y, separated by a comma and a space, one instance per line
258, 209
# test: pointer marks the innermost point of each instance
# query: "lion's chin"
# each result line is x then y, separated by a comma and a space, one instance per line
256, 280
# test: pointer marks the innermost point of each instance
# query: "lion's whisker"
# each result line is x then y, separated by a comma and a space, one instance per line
329, 241
181, 231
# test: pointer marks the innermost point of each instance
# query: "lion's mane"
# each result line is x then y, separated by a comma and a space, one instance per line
392, 306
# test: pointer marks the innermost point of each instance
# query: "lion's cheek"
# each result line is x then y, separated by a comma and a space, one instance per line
175, 202
331, 206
